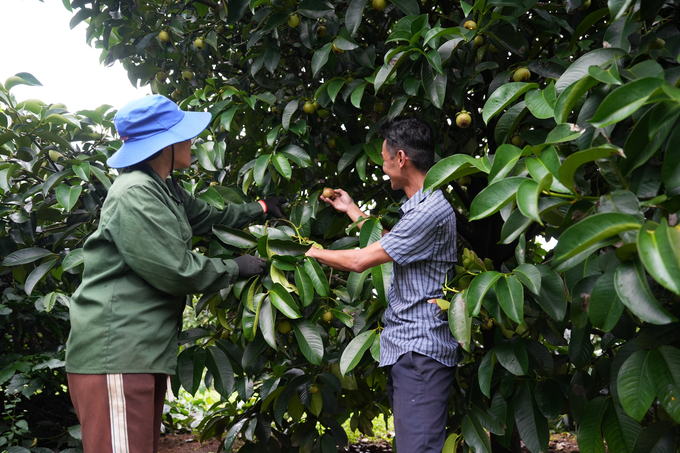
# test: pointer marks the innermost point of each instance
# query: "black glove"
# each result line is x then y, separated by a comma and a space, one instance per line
273, 206
249, 265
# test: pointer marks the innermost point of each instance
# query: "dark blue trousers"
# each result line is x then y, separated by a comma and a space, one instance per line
418, 388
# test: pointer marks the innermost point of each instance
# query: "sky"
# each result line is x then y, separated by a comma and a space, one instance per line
36, 38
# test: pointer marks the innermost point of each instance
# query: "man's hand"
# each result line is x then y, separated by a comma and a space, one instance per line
341, 201
250, 265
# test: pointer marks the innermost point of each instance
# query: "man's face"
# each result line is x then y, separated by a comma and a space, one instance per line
391, 166
183, 154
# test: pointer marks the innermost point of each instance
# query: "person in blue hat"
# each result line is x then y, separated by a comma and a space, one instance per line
139, 268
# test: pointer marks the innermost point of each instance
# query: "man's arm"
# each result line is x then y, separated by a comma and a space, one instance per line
356, 260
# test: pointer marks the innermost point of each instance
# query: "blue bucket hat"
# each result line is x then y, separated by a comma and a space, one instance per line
149, 124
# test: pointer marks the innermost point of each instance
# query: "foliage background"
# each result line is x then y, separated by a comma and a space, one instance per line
585, 151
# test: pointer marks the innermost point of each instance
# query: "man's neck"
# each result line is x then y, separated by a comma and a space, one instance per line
414, 184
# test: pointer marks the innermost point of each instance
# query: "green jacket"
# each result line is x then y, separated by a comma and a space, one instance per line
139, 268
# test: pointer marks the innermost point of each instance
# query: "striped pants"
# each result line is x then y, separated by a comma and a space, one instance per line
119, 413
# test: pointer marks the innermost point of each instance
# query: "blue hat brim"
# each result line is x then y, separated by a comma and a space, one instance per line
134, 151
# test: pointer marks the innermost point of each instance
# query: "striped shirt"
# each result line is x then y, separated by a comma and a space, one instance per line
423, 247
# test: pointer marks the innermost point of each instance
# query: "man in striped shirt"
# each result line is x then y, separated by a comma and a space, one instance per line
416, 346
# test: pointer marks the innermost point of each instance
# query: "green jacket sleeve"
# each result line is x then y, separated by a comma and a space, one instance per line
203, 216
155, 243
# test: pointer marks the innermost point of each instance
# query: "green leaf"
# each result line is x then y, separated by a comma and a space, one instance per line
549, 398
382, 277
297, 155
228, 116
591, 230
213, 198
408, 7
434, 85
659, 248
474, 434
67, 196
512, 355
504, 162
460, 322
504, 96
38, 273
282, 165
479, 286
528, 193
317, 276
48, 301
571, 96
233, 433
260, 168
552, 297
635, 384
485, 372
620, 430
286, 247
618, 8
530, 276
190, 366
494, 197
579, 69
355, 350
541, 103
304, 286
531, 424
21, 78
288, 113
320, 58
206, 156
236, 238
590, 428
632, 288
353, 15
309, 340
605, 307
579, 158
283, 301
266, 322
357, 95
220, 367
25, 256
665, 362
355, 284
446, 170
624, 101
510, 294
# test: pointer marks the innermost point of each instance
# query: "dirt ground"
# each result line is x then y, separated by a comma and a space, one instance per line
187, 443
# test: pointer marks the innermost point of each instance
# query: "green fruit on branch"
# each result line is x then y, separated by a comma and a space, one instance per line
161, 76
657, 45
517, 141
187, 76
379, 5
308, 108
521, 75
294, 21
164, 36
463, 119
327, 316
470, 25
336, 49
284, 327
321, 31
478, 41
199, 43
331, 143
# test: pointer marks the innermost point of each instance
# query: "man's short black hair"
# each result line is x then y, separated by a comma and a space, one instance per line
412, 135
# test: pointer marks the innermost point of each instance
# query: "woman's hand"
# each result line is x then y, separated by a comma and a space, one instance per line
250, 265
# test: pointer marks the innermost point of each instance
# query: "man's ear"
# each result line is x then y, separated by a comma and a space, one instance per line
401, 158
